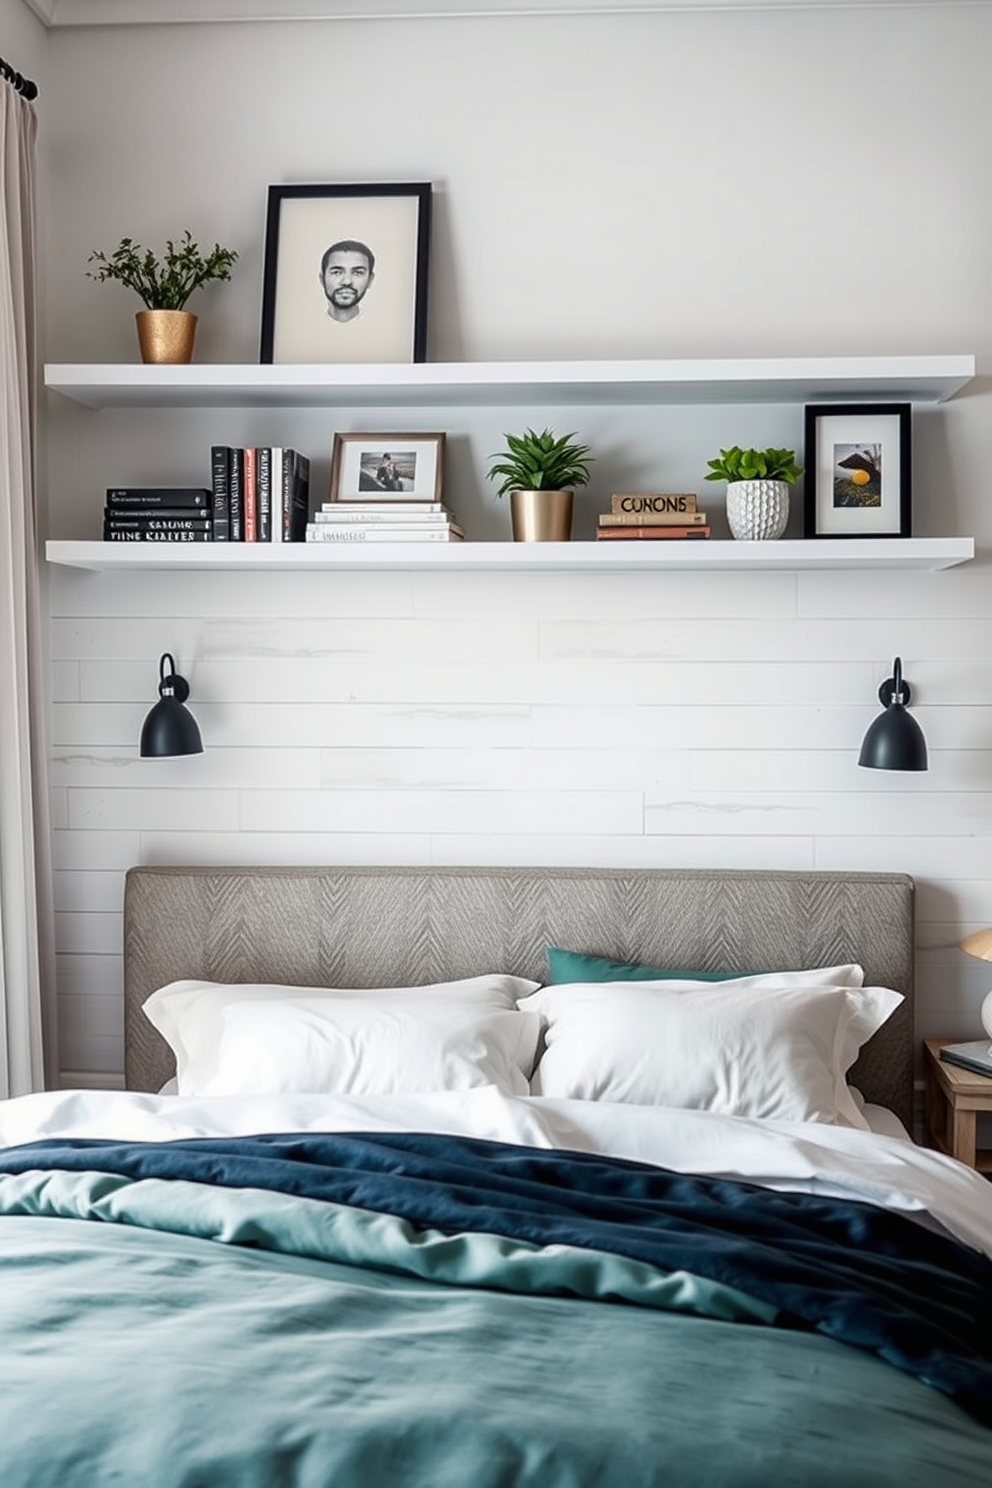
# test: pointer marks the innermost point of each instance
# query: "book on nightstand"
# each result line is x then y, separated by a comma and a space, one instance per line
975, 1056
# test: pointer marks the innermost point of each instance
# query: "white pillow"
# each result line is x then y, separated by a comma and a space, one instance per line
305, 1046
190, 1016
763, 1046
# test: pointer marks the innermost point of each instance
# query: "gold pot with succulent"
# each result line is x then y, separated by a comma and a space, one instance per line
539, 473
758, 484
166, 329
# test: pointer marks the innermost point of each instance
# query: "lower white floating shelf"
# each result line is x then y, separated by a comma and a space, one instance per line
509, 557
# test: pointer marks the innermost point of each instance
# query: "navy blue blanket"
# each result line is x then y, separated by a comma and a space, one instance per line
872, 1279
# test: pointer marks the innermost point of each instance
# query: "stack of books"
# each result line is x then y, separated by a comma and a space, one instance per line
157, 514
261, 493
653, 516
383, 521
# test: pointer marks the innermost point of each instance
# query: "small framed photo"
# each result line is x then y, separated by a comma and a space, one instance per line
345, 276
387, 467
858, 479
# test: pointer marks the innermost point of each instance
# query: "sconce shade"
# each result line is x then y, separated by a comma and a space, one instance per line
170, 728
895, 740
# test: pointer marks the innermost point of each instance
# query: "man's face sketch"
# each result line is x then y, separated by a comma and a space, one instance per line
345, 276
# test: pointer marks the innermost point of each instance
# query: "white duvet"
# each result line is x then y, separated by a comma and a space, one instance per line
875, 1166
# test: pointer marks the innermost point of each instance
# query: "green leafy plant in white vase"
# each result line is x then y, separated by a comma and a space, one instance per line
758, 483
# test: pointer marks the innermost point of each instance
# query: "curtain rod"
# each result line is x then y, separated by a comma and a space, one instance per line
22, 84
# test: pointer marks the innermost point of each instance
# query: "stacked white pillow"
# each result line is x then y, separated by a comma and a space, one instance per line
775, 1046
265, 1039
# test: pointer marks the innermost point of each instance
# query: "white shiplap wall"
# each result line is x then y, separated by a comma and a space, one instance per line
404, 718
653, 206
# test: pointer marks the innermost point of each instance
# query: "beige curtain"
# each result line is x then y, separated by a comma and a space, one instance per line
28, 1058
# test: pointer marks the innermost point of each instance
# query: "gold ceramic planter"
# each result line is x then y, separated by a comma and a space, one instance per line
166, 335
541, 516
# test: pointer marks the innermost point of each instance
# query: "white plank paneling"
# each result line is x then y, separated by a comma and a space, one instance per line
480, 813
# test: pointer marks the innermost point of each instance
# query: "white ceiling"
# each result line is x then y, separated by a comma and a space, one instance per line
57, 13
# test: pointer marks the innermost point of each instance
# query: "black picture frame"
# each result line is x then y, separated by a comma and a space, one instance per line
382, 237
858, 470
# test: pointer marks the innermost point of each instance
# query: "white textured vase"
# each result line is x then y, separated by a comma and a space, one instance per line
757, 510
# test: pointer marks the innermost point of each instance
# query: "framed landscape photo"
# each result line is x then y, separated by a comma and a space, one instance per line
858, 470
345, 275
387, 467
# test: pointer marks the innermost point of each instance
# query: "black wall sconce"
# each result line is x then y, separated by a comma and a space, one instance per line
895, 740
170, 728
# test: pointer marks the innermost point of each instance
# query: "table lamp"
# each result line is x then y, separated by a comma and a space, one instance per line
980, 944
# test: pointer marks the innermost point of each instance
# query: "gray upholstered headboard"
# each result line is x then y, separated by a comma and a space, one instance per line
380, 927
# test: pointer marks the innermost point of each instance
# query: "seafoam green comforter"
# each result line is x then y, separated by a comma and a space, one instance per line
177, 1333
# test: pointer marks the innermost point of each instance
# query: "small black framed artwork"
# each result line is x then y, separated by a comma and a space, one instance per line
345, 275
858, 479
387, 467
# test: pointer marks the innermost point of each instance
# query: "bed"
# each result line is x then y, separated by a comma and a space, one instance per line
498, 1178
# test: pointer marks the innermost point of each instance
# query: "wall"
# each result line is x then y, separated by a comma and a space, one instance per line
713, 184
24, 41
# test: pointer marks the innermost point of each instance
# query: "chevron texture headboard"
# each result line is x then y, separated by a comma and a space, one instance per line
380, 927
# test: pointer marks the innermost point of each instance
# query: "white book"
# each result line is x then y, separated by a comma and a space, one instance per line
321, 532
382, 519
277, 521
365, 509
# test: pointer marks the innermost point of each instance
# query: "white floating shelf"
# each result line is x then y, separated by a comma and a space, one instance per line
928, 379
510, 557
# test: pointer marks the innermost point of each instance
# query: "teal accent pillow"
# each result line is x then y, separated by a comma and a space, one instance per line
574, 966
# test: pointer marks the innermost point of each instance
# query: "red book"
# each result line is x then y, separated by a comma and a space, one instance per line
651, 534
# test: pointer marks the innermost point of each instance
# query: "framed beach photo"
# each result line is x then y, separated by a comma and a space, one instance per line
858, 470
387, 467
345, 275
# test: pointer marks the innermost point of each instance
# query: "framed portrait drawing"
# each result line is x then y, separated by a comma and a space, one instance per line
858, 470
387, 467
345, 276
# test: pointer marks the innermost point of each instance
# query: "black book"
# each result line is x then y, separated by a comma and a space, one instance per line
236, 491
185, 535
220, 471
184, 496
296, 496
163, 516
158, 524
974, 1056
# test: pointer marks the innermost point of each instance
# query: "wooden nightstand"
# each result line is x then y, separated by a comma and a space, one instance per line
954, 1098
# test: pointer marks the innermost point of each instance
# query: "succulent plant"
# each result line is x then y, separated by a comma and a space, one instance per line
540, 462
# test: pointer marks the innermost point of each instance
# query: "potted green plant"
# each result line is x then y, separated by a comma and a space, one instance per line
758, 484
539, 473
166, 329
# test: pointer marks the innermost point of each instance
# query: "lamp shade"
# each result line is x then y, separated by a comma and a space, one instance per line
895, 740
979, 944
170, 728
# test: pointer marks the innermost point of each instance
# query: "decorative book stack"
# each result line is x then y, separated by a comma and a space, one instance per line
261, 493
157, 514
653, 516
383, 521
